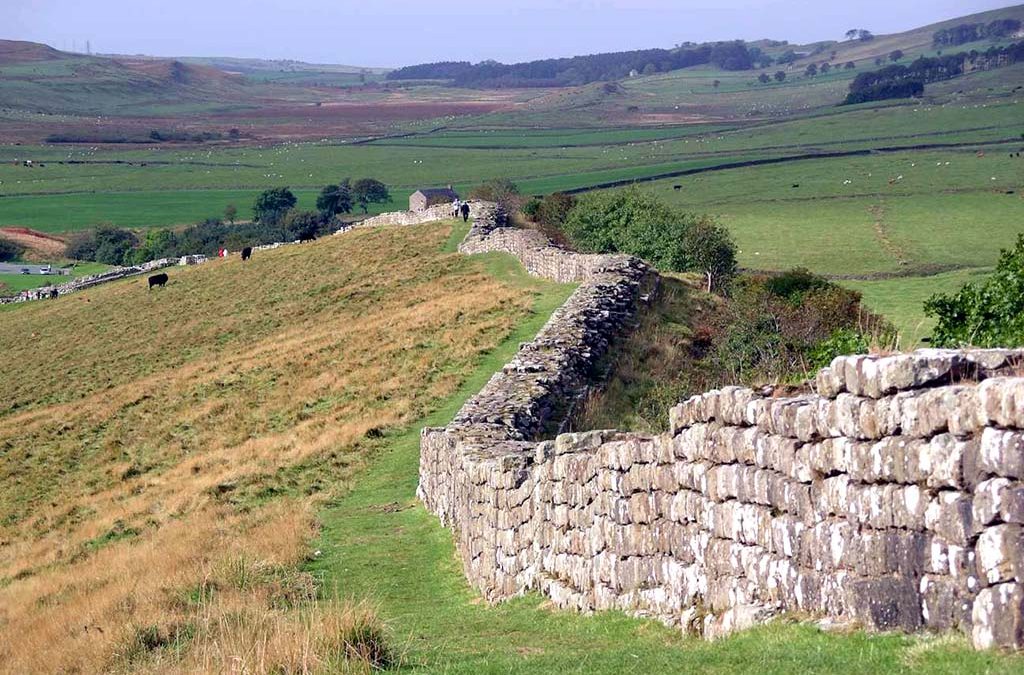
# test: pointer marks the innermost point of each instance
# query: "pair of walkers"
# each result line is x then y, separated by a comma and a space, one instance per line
460, 208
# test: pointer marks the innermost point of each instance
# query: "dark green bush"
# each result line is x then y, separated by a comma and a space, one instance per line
989, 314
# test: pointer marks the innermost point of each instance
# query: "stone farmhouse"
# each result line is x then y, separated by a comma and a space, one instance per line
426, 197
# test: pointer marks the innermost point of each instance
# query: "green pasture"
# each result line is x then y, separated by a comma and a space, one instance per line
902, 299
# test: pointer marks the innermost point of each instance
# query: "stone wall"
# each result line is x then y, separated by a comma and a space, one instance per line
428, 215
82, 283
891, 497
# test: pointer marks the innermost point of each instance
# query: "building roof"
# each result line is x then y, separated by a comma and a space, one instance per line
438, 192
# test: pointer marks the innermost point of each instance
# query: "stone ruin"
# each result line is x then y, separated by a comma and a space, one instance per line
890, 498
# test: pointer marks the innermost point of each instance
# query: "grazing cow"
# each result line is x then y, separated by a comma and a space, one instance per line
465, 212
796, 185
677, 187
157, 280
246, 252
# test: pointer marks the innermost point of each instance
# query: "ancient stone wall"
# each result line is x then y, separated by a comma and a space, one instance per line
891, 497
428, 215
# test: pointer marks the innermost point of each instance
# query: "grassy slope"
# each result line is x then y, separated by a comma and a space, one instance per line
139, 457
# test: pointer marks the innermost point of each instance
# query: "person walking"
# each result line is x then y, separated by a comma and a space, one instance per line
464, 207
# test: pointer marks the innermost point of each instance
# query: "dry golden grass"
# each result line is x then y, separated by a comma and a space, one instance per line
160, 451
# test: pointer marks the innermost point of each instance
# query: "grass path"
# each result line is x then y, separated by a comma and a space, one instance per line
378, 543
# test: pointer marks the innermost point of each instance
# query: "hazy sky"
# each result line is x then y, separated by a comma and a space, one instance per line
401, 32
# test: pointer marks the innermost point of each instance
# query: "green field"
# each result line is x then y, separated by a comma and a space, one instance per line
936, 188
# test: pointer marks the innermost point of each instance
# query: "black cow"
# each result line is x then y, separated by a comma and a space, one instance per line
307, 237
157, 280
465, 212
677, 187
53, 293
246, 252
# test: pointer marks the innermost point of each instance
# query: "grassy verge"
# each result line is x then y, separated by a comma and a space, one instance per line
378, 543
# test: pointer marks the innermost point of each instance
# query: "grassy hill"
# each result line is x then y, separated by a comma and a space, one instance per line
163, 453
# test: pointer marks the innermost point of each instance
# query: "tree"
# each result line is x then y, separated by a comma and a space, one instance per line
825, 67
811, 70
780, 76
789, 56
716, 84
158, 243
631, 221
895, 55
230, 213
710, 250
272, 204
502, 191
106, 244
9, 250
989, 314
731, 56
865, 35
851, 34
763, 78
370, 191
335, 199
555, 208
303, 224
850, 65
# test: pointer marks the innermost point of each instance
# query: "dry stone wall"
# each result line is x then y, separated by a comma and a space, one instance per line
428, 215
891, 497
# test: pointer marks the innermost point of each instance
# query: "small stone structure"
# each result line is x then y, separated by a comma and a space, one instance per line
427, 197
892, 497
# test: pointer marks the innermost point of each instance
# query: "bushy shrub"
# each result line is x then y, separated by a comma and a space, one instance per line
273, 204
989, 314
774, 329
9, 250
632, 221
503, 191
553, 209
106, 244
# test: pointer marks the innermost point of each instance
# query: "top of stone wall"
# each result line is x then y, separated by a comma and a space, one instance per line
877, 376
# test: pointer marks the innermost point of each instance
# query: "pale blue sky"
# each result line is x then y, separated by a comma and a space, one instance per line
402, 32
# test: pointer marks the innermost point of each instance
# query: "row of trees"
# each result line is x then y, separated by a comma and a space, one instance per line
275, 218
577, 70
333, 200
898, 81
972, 32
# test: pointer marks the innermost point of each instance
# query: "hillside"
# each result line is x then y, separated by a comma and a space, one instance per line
162, 463
18, 51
